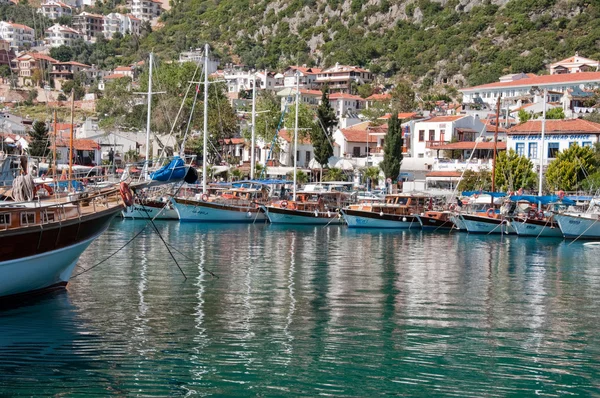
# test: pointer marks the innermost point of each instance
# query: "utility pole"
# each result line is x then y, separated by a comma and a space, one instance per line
495, 148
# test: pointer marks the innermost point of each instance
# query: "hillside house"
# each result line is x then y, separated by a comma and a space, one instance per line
89, 25
56, 9
339, 78
60, 35
19, 36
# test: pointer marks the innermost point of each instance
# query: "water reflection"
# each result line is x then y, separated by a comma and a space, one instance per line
313, 310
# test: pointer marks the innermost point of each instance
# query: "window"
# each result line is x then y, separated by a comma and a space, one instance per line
431, 135
421, 135
356, 151
47, 217
586, 143
307, 157
552, 150
520, 148
420, 155
442, 135
27, 218
4, 218
572, 143
298, 156
533, 150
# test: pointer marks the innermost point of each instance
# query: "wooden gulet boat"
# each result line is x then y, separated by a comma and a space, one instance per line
309, 208
396, 211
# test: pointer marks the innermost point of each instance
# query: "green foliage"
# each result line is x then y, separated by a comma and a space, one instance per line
236, 174
570, 168
322, 134
4, 71
392, 151
372, 173
75, 86
476, 181
62, 53
334, 174
514, 172
25, 14
403, 97
555, 113
524, 116
301, 177
39, 140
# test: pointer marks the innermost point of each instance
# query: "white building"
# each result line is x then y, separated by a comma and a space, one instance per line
17, 35
121, 23
574, 64
346, 104
526, 88
307, 77
340, 78
146, 10
559, 135
307, 97
56, 9
60, 35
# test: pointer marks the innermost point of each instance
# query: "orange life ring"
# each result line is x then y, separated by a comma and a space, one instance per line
540, 215
204, 197
126, 194
491, 212
45, 187
283, 204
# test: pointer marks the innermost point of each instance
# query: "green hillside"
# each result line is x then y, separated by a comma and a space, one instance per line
457, 44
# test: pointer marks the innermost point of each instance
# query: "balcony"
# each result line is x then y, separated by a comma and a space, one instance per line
435, 144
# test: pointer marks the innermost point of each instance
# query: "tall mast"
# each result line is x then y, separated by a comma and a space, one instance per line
146, 163
296, 130
54, 151
71, 141
204, 142
495, 147
252, 160
542, 145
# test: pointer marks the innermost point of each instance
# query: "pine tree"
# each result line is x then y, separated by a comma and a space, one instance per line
321, 135
392, 151
39, 140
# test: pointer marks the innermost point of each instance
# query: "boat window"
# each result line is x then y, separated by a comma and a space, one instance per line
402, 201
27, 218
47, 216
4, 218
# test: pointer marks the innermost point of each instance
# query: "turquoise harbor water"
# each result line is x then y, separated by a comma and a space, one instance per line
313, 311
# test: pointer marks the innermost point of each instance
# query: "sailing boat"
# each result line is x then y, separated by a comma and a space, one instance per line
236, 205
309, 207
43, 239
150, 204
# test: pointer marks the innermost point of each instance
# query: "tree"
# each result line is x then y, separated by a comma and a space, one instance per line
403, 97
372, 175
37, 77
5, 71
476, 181
514, 172
321, 135
524, 116
74, 86
39, 140
555, 113
392, 151
301, 177
570, 168
236, 174
62, 53
334, 174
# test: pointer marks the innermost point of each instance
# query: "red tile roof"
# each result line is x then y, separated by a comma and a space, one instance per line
404, 115
73, 63
19, 26
115, 76
289, 136
233, 141
442, 119
39, 56
82, 144
335, 96
556, 127
123, 68
379, 97
305, 70
310, 92
500, 145
354, 135
443, 174
541, 80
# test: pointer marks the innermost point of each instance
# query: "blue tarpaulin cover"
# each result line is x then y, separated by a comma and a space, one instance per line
173, 171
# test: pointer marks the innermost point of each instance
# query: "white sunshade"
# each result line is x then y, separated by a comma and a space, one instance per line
344, 164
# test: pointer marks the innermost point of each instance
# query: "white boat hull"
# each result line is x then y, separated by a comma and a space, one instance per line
41, 271
298, 217
199, 212
485, 225
531, 229
582, 226
147, 212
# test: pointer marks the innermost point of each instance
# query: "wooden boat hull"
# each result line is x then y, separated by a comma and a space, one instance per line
198, 211
575, 226
433, 223
537, 228
54, 251
370, 219
278, 215
475, 224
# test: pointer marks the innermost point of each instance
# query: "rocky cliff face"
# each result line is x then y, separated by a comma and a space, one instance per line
453, 42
